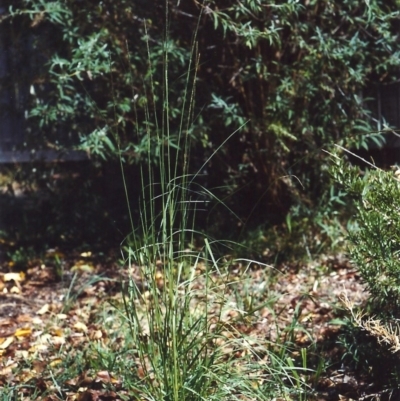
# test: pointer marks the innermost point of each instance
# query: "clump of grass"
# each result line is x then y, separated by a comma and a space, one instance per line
185, 328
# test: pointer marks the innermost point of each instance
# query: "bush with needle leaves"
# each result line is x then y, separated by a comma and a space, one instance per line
374, 239
372, 337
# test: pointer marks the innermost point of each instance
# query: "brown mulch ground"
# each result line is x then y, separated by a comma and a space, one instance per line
43, 311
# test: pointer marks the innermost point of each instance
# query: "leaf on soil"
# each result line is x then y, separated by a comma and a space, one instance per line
82, 266
14, 276
24, 332
81, 327
6, 343
43, 310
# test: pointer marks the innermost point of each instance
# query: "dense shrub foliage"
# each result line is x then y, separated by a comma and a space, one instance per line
375, 238
290, 74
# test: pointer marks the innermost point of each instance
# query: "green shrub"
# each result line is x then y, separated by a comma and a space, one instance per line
374, 239
294, 72
371, 334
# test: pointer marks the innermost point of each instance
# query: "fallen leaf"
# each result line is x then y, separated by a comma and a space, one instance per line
44, 309
39, 347
8, 369
96, 335
56, 340
14, 276
80, 327
24, 332
39, 366
82, 267
103, 376
15, 290
55, 362
57, 331
5, 344
24, 318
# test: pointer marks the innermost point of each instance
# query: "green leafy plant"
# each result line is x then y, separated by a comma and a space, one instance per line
303, 75
374, 240
371, 336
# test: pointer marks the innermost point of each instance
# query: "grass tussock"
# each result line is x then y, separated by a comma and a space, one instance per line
187, 332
